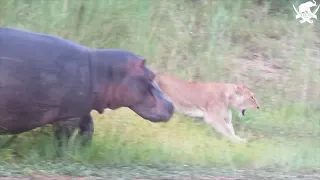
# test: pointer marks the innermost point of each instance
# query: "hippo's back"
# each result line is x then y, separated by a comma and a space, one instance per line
42, 78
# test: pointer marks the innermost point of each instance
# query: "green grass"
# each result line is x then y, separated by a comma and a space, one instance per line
123, 138
263, 46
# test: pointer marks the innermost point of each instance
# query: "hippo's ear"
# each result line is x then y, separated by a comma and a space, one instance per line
141, 63
135, 66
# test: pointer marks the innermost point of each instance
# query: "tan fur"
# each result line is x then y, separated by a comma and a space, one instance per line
208, 100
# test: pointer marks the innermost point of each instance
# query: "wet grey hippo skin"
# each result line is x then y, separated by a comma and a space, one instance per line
45, 79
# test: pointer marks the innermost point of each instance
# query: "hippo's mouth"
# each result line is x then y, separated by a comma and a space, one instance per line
243, 111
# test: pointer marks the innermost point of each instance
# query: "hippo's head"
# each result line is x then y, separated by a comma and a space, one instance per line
121, 79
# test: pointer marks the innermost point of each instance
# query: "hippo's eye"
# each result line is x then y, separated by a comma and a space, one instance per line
144, 86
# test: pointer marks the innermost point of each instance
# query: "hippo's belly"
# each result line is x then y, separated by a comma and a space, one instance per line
34, 94
18, 122
42, 79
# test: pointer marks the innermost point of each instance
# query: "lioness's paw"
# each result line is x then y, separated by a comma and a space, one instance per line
242, 140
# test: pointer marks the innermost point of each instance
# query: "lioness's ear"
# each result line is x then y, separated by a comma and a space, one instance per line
239, 88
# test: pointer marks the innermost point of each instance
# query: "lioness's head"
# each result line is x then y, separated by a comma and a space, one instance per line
243, 98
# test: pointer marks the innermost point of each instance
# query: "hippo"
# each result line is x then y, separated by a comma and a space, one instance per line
49, 80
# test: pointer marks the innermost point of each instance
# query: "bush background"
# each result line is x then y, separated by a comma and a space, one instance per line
255, 42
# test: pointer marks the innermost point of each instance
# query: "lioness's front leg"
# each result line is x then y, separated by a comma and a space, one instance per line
228, 120
221, 126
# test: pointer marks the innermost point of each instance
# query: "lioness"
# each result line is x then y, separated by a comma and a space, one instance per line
208, 100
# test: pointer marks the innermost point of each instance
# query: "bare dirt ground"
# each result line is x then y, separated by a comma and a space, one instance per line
143, 173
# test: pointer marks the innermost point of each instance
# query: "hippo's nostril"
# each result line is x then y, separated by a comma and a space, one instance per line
258, 107
171, 108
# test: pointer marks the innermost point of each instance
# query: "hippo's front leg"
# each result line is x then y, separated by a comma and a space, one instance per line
64, 130
86, 130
